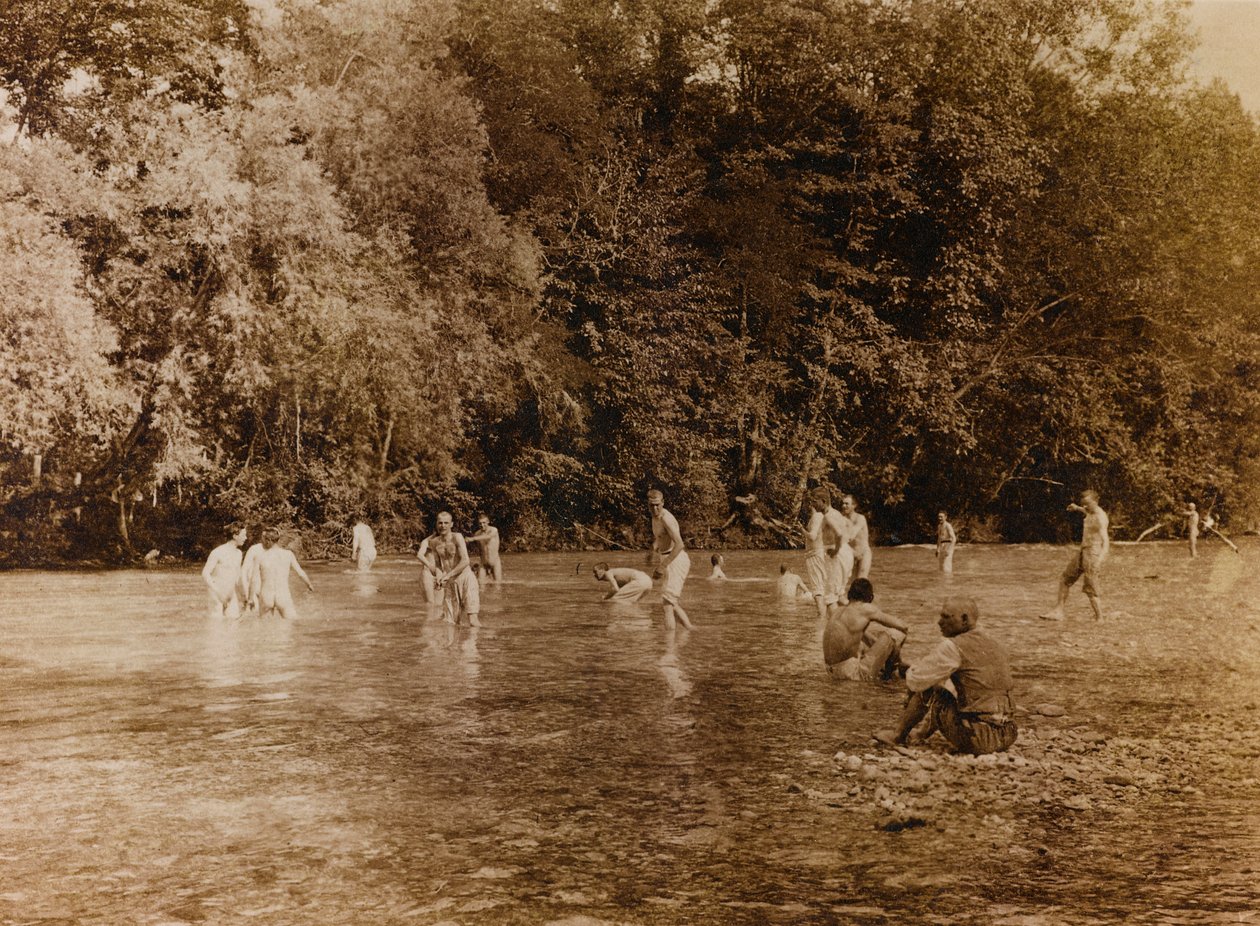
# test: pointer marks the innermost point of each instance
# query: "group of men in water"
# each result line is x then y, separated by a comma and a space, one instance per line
257, 582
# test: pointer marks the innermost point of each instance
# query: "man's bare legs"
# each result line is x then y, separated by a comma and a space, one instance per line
672, 609
1057, 613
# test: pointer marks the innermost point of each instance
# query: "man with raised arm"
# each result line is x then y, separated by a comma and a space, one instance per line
222, 574
274, 565
488, 537
445, 554
675, 564
1088, 560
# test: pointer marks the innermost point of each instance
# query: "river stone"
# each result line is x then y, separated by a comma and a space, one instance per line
1050, 710
853, 763
867, 773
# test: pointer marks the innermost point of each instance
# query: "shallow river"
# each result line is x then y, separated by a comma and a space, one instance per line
571, 762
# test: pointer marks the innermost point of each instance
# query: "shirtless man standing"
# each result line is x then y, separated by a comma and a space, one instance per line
1088, 560
222, 574
946, 540
859, 537
274, 566
488, 537
449, 566
1192, 528
675, 563
833, 529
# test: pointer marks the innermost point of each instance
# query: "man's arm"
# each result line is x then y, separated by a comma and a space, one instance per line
1103, 524
212, 563
297, 567
480, 536
889, 621
813, 530
608, 577
936, 668
422, 554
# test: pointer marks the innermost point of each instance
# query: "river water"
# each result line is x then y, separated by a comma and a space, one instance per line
571, 762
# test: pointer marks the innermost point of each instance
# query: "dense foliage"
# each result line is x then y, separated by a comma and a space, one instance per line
295, 261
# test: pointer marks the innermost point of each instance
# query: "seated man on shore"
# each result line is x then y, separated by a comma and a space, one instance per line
860, 641
627, 585
963, 688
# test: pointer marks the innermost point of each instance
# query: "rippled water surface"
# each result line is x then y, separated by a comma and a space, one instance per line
572, 762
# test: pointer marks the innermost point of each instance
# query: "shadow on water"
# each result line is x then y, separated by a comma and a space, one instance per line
369, 762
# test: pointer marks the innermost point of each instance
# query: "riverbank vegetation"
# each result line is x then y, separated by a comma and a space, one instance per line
298, 262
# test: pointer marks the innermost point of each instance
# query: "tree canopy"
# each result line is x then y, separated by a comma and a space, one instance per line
301, 262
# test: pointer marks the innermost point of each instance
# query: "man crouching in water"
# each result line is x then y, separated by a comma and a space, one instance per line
963, 688
450, 571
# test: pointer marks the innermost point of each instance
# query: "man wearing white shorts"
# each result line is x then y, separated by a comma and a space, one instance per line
675, 564
451, 572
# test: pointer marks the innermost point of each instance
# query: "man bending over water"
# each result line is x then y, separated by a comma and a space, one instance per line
627, 585
222, 574
675, 564
963, 688
449, 566
274, 565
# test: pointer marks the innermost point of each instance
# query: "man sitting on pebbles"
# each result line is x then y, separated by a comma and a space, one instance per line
861, 641
963, 688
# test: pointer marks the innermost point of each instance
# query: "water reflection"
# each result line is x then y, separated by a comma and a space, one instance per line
571, 760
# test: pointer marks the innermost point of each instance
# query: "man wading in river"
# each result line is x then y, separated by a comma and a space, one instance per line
675, 563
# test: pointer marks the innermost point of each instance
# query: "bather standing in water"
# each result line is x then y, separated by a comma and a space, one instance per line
363, 546
449, 567
488, 537
222, 574
274, 565
675, 563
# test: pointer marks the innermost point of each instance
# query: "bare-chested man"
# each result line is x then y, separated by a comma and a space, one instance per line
488, 537
675, 563
832, 530
1088, 560
625, 585
222, 574
274, 565
859, 538
449, 566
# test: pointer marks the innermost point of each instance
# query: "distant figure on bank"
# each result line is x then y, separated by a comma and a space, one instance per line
831, 529
946, 540
222, 574
449, 566
860, 641
675, 563
963, 688
791, 585
625, 585
859, 537
363, 546
152, 557
1088, 560
274, 565
1191, 515
488, 537
718, 561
